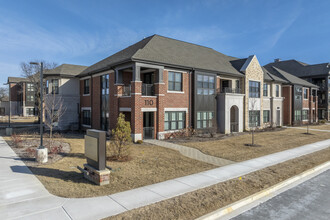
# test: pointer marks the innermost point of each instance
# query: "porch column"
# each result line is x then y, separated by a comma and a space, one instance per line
160, 75
136, 72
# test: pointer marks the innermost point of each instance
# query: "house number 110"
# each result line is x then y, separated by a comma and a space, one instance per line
148, 102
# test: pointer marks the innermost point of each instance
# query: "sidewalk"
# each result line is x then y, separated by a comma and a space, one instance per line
22, 196
191, 153
311, 129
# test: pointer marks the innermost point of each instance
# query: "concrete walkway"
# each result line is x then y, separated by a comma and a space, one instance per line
192, 153
311, 129
22, 196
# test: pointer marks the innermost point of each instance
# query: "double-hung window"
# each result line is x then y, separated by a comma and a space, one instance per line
29, 87
254, 89
174, 120
174, 81
30, 98
305, 115
297, 115
305, 93
254, 118
266, 116
205, 119
205, 85
55, 86
277, 91
265, 89
86, 86
86, 117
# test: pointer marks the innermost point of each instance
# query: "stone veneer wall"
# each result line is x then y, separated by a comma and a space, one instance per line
253, 72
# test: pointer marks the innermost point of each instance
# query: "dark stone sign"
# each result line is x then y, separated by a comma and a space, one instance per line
95, 148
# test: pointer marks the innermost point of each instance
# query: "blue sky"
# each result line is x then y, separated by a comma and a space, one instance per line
84, 32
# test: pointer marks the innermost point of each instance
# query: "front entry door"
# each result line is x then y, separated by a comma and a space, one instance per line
278, 117
148, 125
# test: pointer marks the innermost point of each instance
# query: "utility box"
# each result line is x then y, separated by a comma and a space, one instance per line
95, 152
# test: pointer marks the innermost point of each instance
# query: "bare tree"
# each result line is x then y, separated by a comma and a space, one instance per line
32, 72
253, 124
54, 110
3, 93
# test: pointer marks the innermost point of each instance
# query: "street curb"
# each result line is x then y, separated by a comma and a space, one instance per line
249, 202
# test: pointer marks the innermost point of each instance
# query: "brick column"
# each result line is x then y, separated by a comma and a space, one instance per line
136, 114
160, 91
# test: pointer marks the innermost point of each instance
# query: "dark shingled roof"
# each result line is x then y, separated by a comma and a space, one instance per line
291, 79
17, 79
301, 69
69, 70
167, 51
270, 77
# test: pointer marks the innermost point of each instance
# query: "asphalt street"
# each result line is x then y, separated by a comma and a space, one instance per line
309, 200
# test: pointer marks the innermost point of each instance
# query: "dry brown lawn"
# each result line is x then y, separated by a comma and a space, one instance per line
150, 164
235, 149
14, 120
321, 127
200, 202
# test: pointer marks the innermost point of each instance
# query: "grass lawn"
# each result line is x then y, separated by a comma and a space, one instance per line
322, 127
234, 148
150, 164
200, 202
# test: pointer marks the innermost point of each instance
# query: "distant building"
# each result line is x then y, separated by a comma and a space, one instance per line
300, 103
22, 96
63, 83
318, 74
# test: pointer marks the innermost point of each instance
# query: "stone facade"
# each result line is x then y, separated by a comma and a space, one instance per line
253, 72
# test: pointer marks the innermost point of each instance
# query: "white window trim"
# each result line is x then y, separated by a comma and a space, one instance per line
172, 91
176, 110
86, 94
148, 109
174, 70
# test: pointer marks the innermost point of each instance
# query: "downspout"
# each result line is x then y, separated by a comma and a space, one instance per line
190, 97
91, 99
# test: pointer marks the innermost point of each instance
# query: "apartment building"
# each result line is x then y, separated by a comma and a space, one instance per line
162, 85
300, 98
22, 96
62, 85
317, 74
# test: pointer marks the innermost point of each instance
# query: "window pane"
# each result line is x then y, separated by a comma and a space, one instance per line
204, 124
199, 91
167, 126
170, 76
180, 114
205, 115
210, 115
211, 79
173, 116
171, 86
205, 91
198, 115
180, 125
205, 79
177, 86
178, 77
166, 116
199, 78
211, 91
173, 125
199, 124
